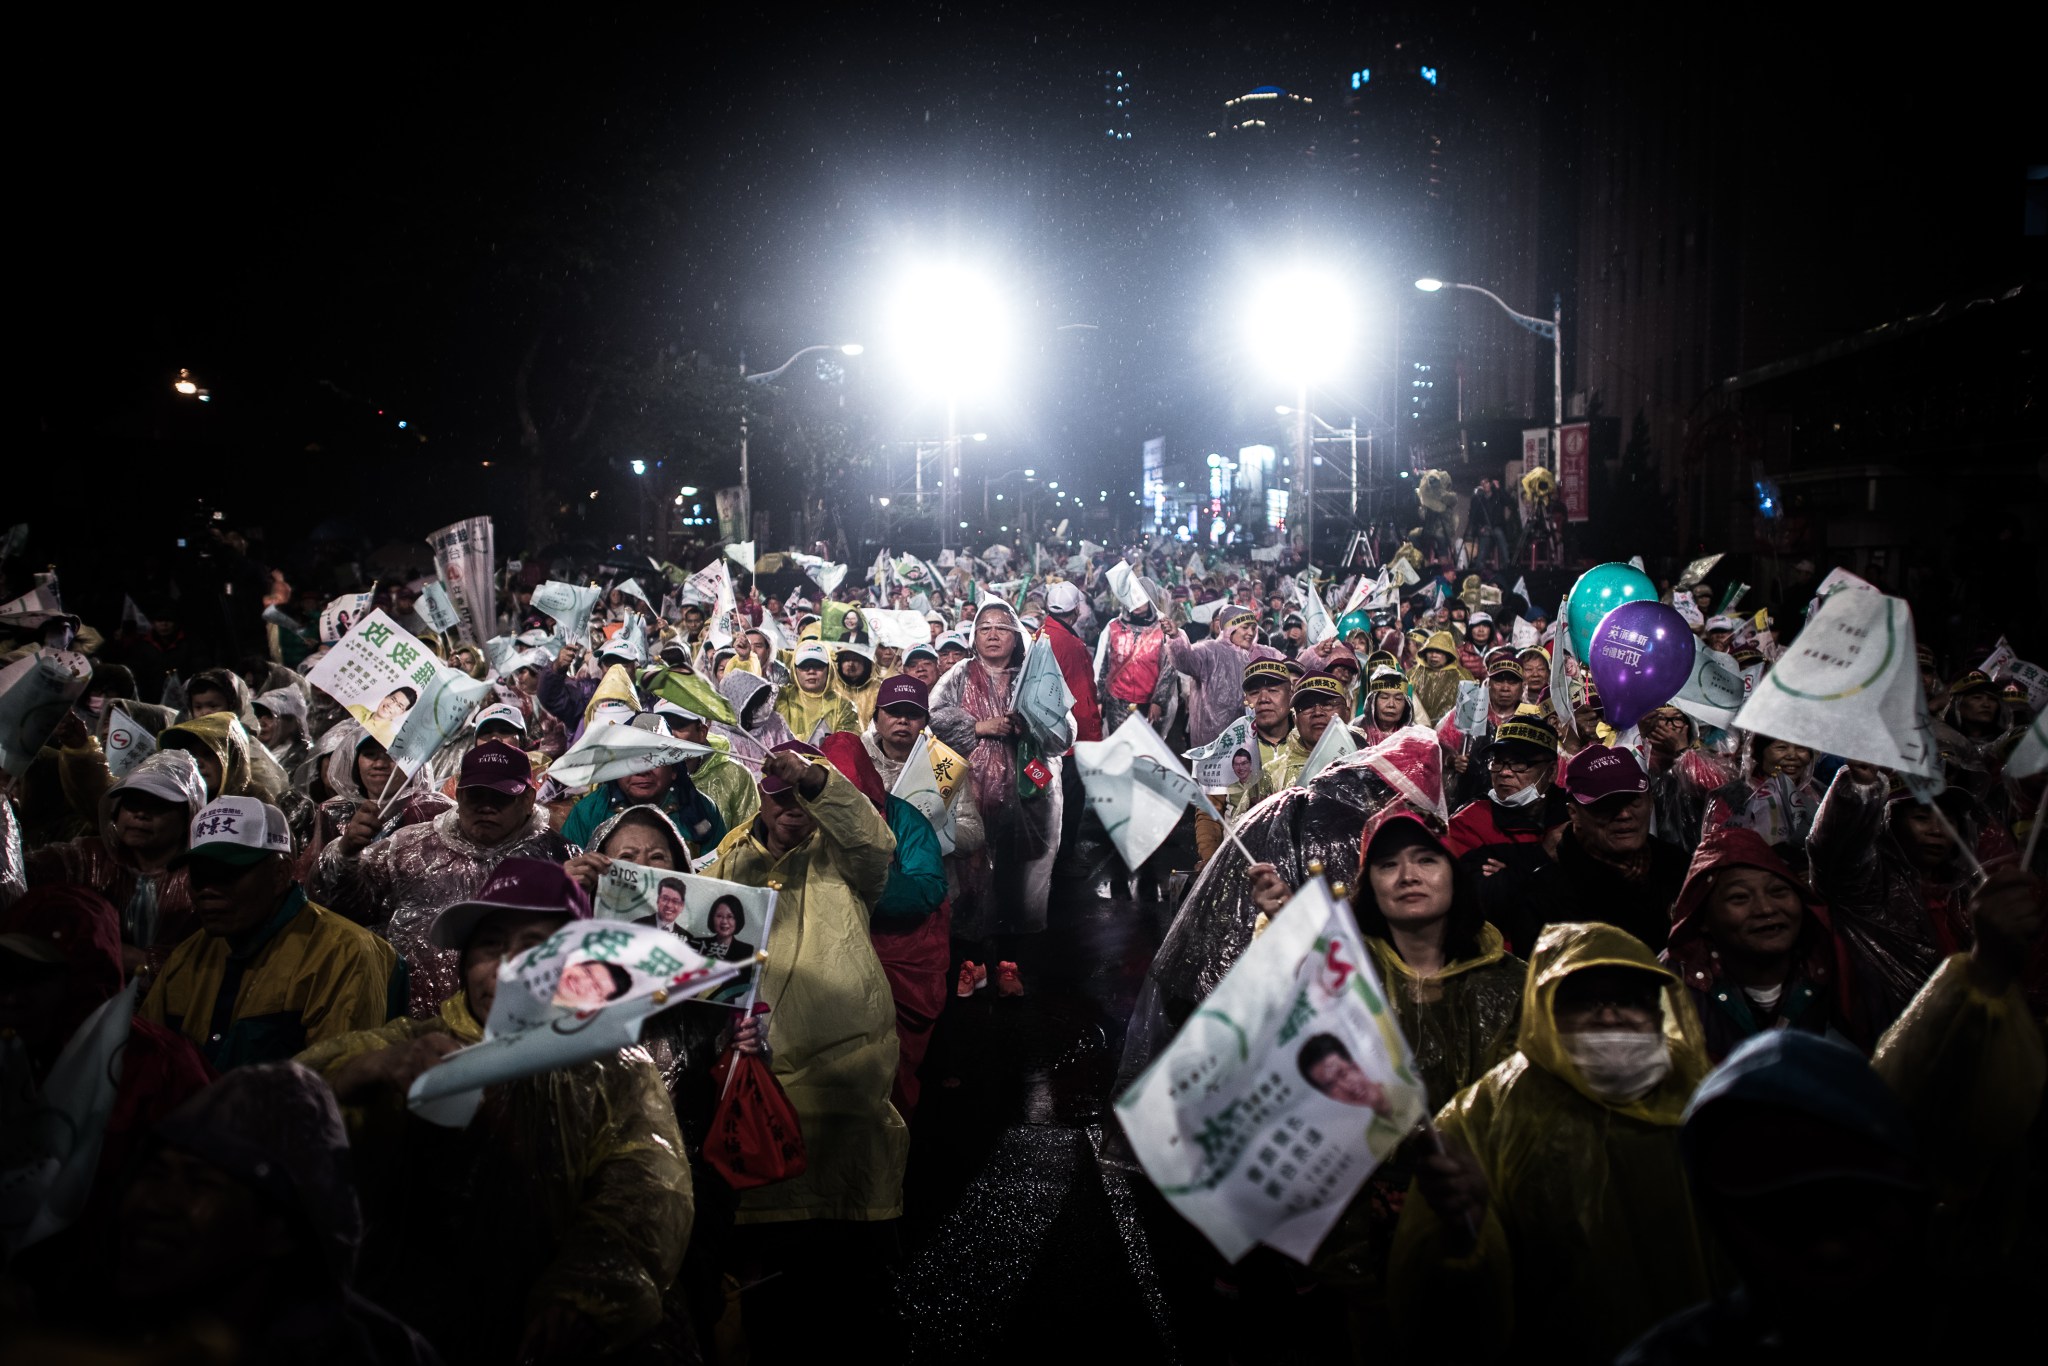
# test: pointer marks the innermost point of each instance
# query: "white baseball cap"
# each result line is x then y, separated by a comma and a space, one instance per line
500, 713
812, 653
238, 830
1062, 597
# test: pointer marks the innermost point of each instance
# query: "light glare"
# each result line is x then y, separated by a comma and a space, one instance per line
1299, 324
950, 327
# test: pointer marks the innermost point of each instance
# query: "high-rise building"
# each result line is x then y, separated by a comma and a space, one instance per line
1268, 128
1118, 99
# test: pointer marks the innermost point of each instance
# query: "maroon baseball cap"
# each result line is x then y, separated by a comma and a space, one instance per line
516, 884
904, 691
1597, 771
770, 784
501, 768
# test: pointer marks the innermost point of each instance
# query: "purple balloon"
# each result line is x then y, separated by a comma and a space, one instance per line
1640, 658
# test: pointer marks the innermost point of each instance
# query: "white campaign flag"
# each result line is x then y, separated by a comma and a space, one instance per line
2000, 659
1404, 572
1215, 764
1128, 587
466, 559
128, 744
2033, 678
51, 1160
1522, 635
1267, 554
1522, 589
1715, 690
569, 606
919, 786
613, 750
394, 686
340, 616
1314, 615
897, 628
742, 554
131, 615
1336, 742
1683, 604
1137, 788
2030, 755
34, 608
713, 584
1206, 612
1284, 1090
441, 714
437, 609
581, 995
1043, 698
35, 692
1850, 686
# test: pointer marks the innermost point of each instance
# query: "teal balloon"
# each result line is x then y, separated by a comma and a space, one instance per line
1599, 591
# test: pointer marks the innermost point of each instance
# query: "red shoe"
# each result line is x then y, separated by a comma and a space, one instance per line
1007, 981
971, 979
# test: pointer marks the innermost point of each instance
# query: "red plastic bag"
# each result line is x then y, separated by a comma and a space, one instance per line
755, 1139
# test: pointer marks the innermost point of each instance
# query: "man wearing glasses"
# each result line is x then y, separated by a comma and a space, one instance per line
1500, 838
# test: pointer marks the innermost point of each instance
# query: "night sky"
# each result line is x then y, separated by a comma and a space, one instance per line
367, 214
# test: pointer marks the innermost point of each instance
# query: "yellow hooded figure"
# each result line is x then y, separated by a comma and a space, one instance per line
222, 747
1435, 687
1588, 1236
615, 687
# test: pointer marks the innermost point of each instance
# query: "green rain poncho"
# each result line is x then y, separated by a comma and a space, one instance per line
1589, 1236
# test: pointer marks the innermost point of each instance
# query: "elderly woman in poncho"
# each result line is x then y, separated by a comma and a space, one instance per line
973, 711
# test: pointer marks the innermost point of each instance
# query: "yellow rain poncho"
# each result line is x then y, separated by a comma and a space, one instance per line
1589, 1236
579, 1175
802, 711
729, 784
832, 1026
615, 686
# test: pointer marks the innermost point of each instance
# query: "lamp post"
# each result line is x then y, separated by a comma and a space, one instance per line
746, 481
949, 324
1551, 328
1300, 325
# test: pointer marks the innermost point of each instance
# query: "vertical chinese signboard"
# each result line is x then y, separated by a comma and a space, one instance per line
1574, 470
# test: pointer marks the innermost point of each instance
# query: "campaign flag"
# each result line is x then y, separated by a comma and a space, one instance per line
1268, 554
1683, 604
1336, 742
1314, 615
1470, 715
2000, 659
726, 922
692, 692
1697, 571
1194, 568
466, 560
1128, 587
1715, 690
1231, 759
34, 608
54, 1144
918, 784
35, 692
2030, 755
127, 744
1522, 635
1137, 788
340, 617
913, 572
742, 554
1283, 1092
1522, 589
441, 714
897, 628
713, 584
1042, 696
1850, 686
1205, 612
580, 995
131, 615
437, 610
614, 750
569, 606
381, 674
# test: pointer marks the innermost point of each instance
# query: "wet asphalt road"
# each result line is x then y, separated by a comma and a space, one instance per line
1019, 1243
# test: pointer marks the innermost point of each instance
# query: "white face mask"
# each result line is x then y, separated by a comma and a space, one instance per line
1529, 794
1619, 1066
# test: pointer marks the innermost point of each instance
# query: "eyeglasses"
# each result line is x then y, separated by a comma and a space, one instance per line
1501, 761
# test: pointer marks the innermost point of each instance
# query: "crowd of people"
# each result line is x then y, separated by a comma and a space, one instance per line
1722, 1034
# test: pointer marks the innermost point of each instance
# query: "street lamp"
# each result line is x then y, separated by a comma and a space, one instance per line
950, 326
746, 479
1299, 322
1551, 328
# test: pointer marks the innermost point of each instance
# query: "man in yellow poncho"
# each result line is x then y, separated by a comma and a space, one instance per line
810, 701
1557, 1225
826, 851
568, 1195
